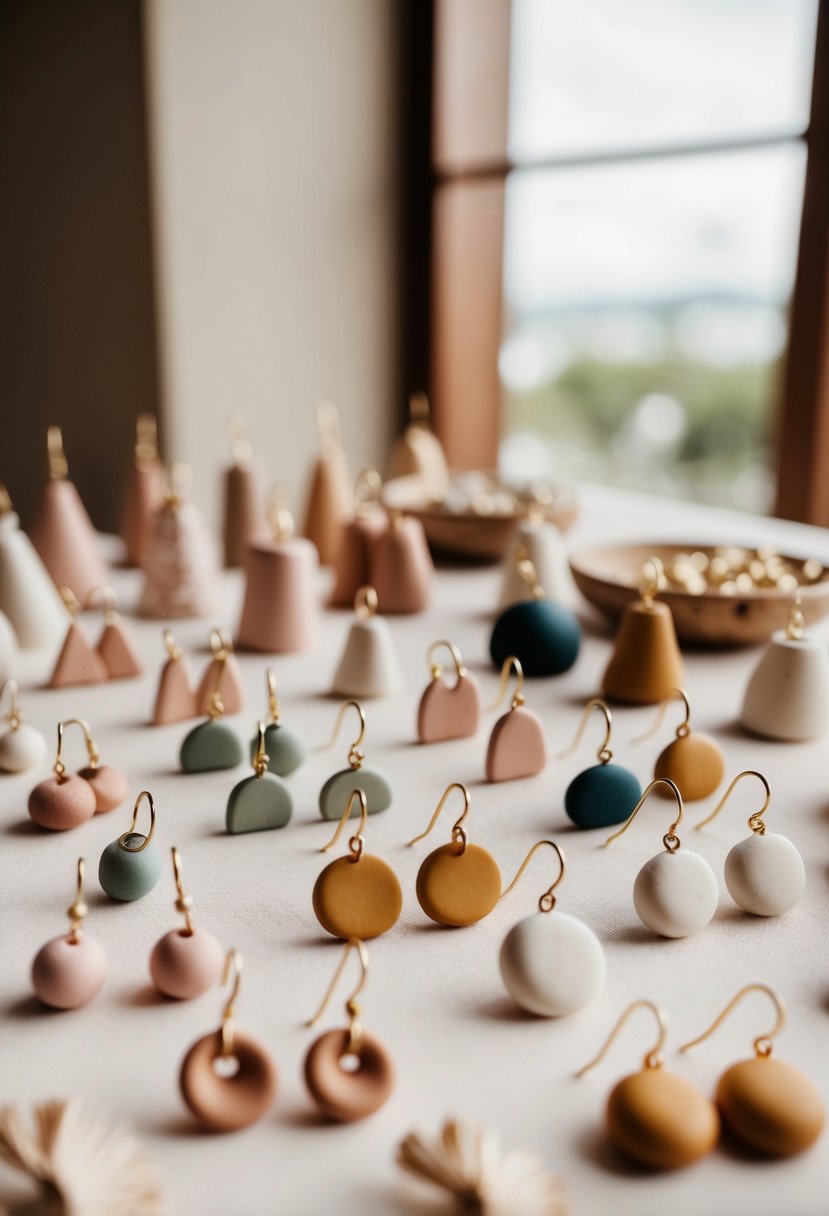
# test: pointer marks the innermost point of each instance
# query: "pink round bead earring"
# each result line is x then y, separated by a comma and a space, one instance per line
70, 970
185, 962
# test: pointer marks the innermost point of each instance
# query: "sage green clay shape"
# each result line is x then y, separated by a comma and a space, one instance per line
126, 874
258, 804
286, 749
337, 790
211, 746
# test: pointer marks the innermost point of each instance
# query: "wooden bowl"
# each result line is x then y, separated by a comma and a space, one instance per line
610, 577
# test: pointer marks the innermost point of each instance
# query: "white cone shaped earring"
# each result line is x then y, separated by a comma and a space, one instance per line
675, 893
185, 962
368, 666
70, 970
21, 746
764, 872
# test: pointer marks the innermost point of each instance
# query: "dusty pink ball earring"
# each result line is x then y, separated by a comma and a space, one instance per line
68, 800
70, 970
184, 963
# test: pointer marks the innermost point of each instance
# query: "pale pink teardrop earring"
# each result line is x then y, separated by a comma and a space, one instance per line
184, 963
70, 970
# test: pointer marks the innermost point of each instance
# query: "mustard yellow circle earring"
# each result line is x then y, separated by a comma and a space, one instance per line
357, 895
458, 883
692, 761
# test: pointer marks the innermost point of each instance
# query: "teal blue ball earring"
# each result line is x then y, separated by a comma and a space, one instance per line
212, 745
605, 793
262, 802
545, 636
131, 866
285, 747
358, 776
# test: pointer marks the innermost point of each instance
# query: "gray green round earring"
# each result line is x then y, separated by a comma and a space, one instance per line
131, 866
261, 802
286, 749
212, 745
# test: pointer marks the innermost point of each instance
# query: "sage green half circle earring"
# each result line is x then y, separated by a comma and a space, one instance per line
605, 793
358, 776
212, 745
131, 866
259, 803
285, 747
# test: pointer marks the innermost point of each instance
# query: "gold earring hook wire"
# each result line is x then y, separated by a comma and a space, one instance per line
435, 668
604, 755
59, 768
58, 464
146, 440
184, 902
232, 971
548, 900
171, 645
355, 756
367, 488
755, 821
366, 603
277, 511
222, 648
670, 840
510, 663
653, 1058
78, 908
528, 572
684, 727
106, 598
796, 624
355, 844
261, 759
179, 480
14, 717
458, 831
274, 712
653, 580
70, 601
131, 829
763, 1043
352, 1005
241, 448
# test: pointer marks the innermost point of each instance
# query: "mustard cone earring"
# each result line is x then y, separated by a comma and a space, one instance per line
419, 452
21, 746
545, 636
347, 1095
185, 962
646, 663
259, 803
63, 533
176, 699
243, 519
357, 895
764, 873
654, 1117
787, 696
448, 711
767, 1105
144, 493
357, 540
285, 746
115, 648
459, 883
223, 663
692, 761
400, 566
67, 800
180, 567
69, 971
329, 499
77, 662
605, 793
28, 596
516, 747
212, 745
368, 665
358, 775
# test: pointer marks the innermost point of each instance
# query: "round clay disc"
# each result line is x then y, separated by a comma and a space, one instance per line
357, 898
771, 1106
458, 886
109, 786
695, 763
343, 1095
59, 805
224, 1104
765, 874
661, 1120
67, 974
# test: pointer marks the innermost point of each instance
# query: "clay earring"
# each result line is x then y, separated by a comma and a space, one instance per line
212, 745
357, 539
418, 452
764, 873
545, 548
21, 746
368, 666
448, 712
223, 663
544, 635
459, 883
787, 697
28, 596
646, 662
516, 747
654, 1117
175, 700
675, 893
242, 510
77, 662
329, 497
144, 491
68, 800
768, 1105
261, 802
357, 895
70, 970
286, 748
605, 793
348, 1095
228, 1078
401, 567
692, 761
115, 648
551, 965
357, 776
180, 568
184, 963
131, 866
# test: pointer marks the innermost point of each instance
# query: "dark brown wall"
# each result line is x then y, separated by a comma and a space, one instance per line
77, 332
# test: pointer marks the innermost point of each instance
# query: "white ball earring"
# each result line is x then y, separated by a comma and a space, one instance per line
21, 746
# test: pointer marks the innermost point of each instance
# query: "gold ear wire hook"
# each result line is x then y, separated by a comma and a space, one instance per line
59, 768
277, 513
548, 900
763, 1043
70, 601
527, 571
653, 580
261, 759
108, 600
14, 717
670, 839
273, 700
458, 831
682, 730
232, 970
184, 902
171, 645
435, 667
146, 439
510, 663
131, 829
796, 624
58, 464
78, 908
755, 821
653, 1059
222, 648
241, 448
355, 756
367, 488
604, 755
352, 1005
366, 603
355, 844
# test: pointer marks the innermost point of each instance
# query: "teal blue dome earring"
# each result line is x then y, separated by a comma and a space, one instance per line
131, 866
285, 747
212, 745
605, 793
545, 636
339, 787
261, 802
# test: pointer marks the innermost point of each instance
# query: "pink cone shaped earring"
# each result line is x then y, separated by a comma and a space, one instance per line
144, 493
70, 970
175, 699
68, 800
516, 747
184, 963
329, 497
115, 648
448, 711
243, 519
357, 540
77, 662
224, 663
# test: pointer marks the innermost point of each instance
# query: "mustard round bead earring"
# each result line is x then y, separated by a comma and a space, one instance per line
693, 761
357, 895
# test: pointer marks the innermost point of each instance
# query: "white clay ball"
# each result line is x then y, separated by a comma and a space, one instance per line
21, 749
765, 874
552, 964
676, 894
8, 647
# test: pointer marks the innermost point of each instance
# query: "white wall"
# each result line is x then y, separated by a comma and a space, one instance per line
273, 157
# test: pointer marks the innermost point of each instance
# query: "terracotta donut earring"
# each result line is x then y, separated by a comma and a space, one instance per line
516, 747
286, 747
131, 866
675, 893
357, 895
458, 883
261, 802
21, 746
212, 745
223, 1100
448, 712
544, 635
764, 873
605, 793
184, 963
348, 1095
225, 664
77, 662
357, 776
656, 1118
68, 800
70, 970
692, 761
175, 700
769, 1106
